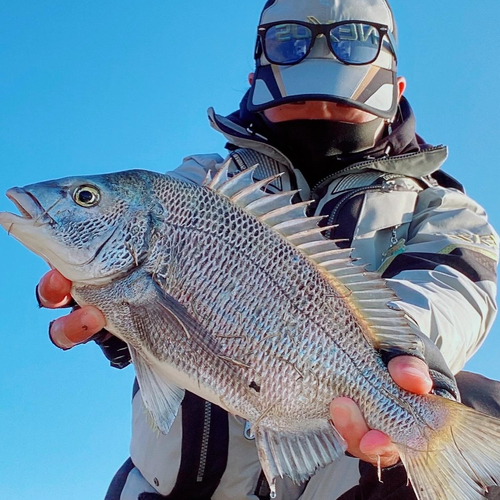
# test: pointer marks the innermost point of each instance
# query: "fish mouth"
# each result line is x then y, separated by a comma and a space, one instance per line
28, 206
30, 209
31, 212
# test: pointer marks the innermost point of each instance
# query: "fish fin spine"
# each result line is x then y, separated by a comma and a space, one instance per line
335, 263
297, 454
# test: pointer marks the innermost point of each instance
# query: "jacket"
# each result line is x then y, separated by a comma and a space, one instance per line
404, 218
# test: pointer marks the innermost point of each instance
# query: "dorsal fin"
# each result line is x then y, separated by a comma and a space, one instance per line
285, 213
235, 185
366, 292
222, 175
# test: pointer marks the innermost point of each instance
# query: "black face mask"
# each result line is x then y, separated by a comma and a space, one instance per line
317, 140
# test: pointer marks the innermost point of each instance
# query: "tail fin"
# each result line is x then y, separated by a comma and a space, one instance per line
462, 460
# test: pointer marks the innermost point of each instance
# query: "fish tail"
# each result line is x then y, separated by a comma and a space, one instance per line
462, 455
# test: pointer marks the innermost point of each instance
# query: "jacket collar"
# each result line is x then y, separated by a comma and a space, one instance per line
424, 160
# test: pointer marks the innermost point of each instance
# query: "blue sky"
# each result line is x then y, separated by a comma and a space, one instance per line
99, 86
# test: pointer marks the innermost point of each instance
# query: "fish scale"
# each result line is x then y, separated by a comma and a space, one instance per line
270, 250
234, 294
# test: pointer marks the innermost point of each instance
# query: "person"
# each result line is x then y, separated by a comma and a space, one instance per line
326, 109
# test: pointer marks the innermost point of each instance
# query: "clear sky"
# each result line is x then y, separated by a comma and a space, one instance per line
100, 86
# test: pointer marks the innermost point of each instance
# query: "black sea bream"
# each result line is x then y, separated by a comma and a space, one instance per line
235, 295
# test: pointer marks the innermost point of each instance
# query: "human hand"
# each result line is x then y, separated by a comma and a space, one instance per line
54, 291
411, 374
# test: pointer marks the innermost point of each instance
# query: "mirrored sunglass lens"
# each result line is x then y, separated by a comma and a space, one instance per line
287, 43
355, 43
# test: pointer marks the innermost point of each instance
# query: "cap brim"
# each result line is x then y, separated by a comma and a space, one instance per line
366, 87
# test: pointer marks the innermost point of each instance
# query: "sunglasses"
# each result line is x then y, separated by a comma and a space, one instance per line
351, 42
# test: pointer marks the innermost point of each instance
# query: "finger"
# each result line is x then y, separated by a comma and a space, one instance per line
54, 290
410, 373
368, 445
378, 448
348, 420
77, 327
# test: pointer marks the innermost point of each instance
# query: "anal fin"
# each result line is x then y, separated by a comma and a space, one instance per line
298, 454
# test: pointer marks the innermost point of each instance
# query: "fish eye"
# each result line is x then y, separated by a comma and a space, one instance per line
86, 196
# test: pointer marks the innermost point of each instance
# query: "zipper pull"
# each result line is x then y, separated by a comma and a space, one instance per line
396, 246
388, 187
394, 236
248, 431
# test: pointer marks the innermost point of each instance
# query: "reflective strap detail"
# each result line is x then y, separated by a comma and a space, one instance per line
204, 442
117, 484
474, 265
204, 449
115, 350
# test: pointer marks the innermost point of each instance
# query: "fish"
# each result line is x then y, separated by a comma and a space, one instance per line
231, 292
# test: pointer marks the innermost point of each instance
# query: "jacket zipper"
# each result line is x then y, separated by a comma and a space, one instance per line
204, 442
363, 164
332, 219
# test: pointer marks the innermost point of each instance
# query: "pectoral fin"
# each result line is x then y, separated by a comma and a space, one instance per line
156, 314
161, 399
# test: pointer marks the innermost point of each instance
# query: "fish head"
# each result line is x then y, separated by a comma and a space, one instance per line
91, 229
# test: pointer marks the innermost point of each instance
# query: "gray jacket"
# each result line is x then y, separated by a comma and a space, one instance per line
431, 242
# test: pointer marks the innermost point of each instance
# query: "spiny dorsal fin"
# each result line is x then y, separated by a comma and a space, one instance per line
367, 293
220, 177
269, 203
309, 236
208, 179
285, 213
234, 185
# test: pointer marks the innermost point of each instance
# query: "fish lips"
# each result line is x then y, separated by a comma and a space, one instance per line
30, 228
30, 209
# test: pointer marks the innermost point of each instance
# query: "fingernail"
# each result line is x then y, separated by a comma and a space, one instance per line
54, 285
420, 377
415, 372
57, 336
42, 301
47, 283
52, 279
38, 297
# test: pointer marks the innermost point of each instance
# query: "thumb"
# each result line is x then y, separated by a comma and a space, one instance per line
411, 374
